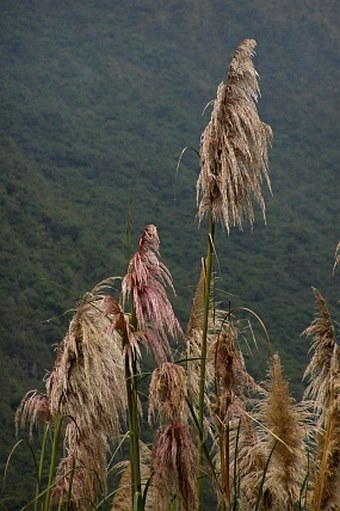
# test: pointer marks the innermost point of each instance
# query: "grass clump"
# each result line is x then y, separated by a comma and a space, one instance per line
259, 448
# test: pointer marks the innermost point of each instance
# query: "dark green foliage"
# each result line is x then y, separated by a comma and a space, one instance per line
98, 99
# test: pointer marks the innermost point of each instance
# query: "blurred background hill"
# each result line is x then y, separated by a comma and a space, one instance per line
97, 101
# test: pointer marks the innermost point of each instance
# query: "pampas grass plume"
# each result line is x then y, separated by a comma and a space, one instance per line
285, 426
318, 371
144, 286
175, 466
84, 390
234, 147
323, 372
167, 393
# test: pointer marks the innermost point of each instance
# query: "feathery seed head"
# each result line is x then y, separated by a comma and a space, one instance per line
330, 491
232, 380
224, 353
84, 389
327, 487
85, 382
285, 425
82, 472
234, 147
325, 364
174, 464
167, 393
34, 407
326, 354
247, 450
144, 285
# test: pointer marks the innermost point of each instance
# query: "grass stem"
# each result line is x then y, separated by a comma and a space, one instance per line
41, 466
53, 462
206, 310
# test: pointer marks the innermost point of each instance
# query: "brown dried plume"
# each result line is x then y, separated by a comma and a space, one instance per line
285, 422
167, 393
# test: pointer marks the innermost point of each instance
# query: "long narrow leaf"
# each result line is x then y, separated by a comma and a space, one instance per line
53, 462
9, 459
41, 465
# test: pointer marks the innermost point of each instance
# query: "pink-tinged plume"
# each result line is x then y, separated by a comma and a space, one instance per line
175, 466
144, 286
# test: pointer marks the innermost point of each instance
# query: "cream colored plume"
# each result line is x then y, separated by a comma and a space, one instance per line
234, 147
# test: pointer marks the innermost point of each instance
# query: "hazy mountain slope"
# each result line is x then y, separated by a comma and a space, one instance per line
98, 99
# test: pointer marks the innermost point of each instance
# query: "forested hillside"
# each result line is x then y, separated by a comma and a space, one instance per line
97, 101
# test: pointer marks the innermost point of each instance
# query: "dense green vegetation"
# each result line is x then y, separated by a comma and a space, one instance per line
97, 102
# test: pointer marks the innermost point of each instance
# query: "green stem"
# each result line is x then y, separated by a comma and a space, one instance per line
41, 466
53, 462
136, 427
69, 492
206, 307
131, 387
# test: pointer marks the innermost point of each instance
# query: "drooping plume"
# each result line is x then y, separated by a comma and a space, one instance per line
145, 286
85, 382
325, 353
232, 380
167, 393
234, 147
84, 389
175, 466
